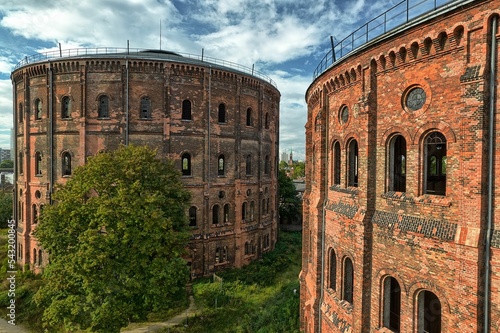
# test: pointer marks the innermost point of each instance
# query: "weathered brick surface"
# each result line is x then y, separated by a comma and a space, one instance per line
426, 242
167, 83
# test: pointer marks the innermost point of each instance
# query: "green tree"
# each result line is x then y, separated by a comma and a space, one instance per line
115, 235
7, 164
5, 208
289, 205
283, 165
299, 170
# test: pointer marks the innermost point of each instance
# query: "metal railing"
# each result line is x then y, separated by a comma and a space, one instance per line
142, 53
398, 15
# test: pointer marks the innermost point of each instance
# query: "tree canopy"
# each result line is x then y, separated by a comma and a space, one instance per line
289, 205
116, 234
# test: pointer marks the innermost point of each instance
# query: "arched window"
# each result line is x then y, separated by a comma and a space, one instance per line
336, 163
244, 211
186, 109
248, 165
249, 117
348, 281
34, 256
35, 214
66, 164
247, 248
192, 216
392, 304
38, 163
222, 113
221, 166
65, 107
263, 206
429, 313
333, 270
20, 112
435, 160
397, 164
145, 112
226, 213
217, 255
38, 109
224, 254
267, 206
353, 163
39, 257
266, 121
266, 165
103, 107
215, 214
186, 164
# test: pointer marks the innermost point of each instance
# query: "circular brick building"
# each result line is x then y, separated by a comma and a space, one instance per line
217, 120
401, 212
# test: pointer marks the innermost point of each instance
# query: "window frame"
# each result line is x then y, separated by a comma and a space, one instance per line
186, 110
221, 167
103, 107
66, 164
391, 304
221, 114
38, 163
145, 108
397, 167
186, 164
192, 216
353, 163
348, 281
38, 111
249, 120
435, 145
65, 107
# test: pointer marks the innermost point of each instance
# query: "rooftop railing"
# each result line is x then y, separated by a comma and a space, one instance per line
395, 17
142, 53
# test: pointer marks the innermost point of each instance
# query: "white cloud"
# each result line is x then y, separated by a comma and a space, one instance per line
6, 120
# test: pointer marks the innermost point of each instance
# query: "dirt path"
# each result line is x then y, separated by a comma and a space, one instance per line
5, 327
153, 327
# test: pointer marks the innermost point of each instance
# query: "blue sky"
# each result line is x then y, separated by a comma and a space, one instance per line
285, 39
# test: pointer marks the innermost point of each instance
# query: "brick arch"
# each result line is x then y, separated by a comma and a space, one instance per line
385, 272
440, 126
348, 137
334, 139
391, 132
62, 151
417, 287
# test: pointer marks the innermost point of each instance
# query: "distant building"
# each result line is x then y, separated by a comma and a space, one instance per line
284, 157
219, 125
5, 154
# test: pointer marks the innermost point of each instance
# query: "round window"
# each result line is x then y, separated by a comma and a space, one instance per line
344, 115
415, 99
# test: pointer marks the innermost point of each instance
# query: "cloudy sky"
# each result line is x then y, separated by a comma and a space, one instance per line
285, 39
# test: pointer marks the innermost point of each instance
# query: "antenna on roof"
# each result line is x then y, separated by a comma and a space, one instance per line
160, 34
60, 51
333, 48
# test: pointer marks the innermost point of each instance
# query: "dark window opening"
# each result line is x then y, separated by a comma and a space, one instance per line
65, 108
336, 163
215, 214
244, 211
348, 281
192, 216
222, 113
186, 164
226, 213
20, 112
435, 159
35, 214
392, 304
66, 164
266, 165
248, 166
221, 167
103, 107
38, 109
353, 164
429, 313
397, 165
333, 270
249, 117
145, 108
266, 121
186, 109
38, 163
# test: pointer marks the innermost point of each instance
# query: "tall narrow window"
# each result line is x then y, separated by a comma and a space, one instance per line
224, 254
263, 206
266, 121
249, 117
397, 164
217, 255
336, 163
20, 166
244, 211
38, 163
252, 210
222, 113
186, 164
226, 213
103, 107
20, 112
38, 109
186, 109
435, 160
429, 313
65, 108
392, 304
35, 214
353, 164
248, 166
266, 165
145, 108
40, 258
221, 166
215, 214
192, 216
34, 257
333, 270
66, 164
348, 280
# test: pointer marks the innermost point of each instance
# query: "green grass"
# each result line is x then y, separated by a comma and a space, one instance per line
262, 297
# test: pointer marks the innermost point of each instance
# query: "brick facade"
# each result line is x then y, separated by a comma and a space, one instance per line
218, 118
399, 187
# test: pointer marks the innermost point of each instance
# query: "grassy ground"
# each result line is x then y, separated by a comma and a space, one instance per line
262, 297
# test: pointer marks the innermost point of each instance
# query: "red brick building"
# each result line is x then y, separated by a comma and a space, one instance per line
403, 186
218, 122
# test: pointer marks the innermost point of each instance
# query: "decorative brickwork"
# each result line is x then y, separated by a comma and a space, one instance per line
396, 201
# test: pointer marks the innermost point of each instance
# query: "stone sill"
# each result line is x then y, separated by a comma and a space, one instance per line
425, 199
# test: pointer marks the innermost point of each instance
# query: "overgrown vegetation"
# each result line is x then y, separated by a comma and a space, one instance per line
262, 297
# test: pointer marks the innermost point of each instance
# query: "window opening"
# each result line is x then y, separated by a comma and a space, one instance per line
145, 108
353, 164
66, 110
397, 165
192, 216
435, 158
336, 163
429, 313
66, 164
186, 164
103, 107
392, 304
222, 113
186, 109
348, 280
333, 270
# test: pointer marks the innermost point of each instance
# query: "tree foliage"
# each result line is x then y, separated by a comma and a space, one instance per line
5, 208
290, 204
7, 164
115, 235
